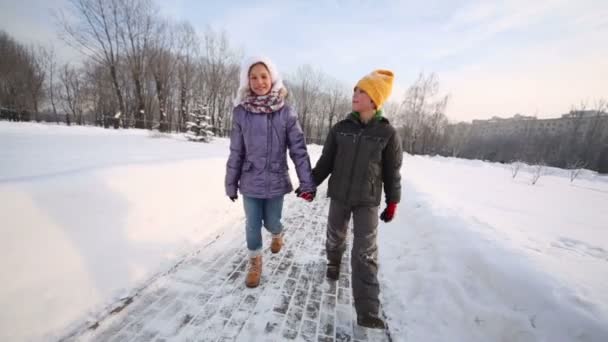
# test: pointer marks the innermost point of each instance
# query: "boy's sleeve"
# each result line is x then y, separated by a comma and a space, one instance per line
325, 164
392, 157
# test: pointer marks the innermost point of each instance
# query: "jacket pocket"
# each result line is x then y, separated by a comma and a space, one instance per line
346, 139
374, 147
247, 165
276, 167
279, 176
374, 179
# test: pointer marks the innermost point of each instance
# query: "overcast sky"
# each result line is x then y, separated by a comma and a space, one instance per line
492, 57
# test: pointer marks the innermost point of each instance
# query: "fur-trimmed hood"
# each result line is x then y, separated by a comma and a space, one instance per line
277, 80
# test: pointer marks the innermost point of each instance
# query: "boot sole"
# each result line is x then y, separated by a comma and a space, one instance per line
332, 278
371, 326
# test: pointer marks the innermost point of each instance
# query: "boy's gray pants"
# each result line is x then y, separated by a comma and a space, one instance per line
364, 256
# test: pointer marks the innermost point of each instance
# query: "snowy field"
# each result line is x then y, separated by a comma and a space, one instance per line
88, 215
478, 255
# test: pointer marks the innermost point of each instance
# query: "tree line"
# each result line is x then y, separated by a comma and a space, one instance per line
143, 70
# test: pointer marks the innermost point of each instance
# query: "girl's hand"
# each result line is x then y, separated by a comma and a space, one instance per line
307, 196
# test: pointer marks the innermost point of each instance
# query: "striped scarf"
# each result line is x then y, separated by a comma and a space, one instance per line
264, 104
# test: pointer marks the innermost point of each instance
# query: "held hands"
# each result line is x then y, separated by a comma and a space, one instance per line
307, 196
389, 212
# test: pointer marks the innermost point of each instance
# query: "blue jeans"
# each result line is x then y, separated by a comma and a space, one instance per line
260, 211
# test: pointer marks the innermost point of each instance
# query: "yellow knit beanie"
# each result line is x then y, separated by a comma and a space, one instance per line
378, 85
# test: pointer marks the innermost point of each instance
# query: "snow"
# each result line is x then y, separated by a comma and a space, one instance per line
475, 255
90, 214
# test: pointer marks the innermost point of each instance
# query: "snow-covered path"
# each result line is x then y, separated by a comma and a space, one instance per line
439, 283
204, 298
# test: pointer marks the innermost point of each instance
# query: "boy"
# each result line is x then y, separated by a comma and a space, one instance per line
362, 153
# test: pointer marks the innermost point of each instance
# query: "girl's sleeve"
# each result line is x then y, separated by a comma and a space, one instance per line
237, 155
298, 153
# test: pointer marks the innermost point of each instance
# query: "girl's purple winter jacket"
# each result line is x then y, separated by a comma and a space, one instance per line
258, 163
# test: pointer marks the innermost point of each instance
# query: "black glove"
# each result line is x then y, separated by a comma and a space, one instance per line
234, 198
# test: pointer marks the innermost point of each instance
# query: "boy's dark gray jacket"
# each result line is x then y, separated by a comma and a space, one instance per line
361, 158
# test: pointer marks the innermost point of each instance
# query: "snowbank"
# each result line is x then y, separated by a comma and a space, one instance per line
88, 214
477, 256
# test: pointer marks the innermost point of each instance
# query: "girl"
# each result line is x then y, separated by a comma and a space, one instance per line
263, 128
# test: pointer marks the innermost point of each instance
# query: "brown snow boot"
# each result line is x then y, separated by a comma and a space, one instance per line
255, 272
277, 243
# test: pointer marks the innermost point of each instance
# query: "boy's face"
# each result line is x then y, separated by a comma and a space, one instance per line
362, 102
259, 80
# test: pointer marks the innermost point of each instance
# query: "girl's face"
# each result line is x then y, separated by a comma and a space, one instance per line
259, 79
362, 102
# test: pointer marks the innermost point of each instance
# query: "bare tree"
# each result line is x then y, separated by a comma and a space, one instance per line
575, 169
137, 24
537, 171
392, 111
161, 66
230, 88
188, 49
21, 78
337, 101
218, 76
436, 122
12, 84
596, 127
34, 76
423, 115
515, 167
94, 27
99, 92
72, 95
587, 128
305, 85
50, 63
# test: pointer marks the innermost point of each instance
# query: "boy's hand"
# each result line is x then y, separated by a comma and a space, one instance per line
389, 212
307, 196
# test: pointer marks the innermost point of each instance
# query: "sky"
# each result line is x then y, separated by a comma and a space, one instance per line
492, 58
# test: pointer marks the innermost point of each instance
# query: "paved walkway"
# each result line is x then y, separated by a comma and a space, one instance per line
204, 297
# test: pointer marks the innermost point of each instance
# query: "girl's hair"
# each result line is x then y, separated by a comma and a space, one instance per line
258, 63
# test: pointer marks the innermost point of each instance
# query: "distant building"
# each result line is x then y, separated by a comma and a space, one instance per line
578, 136
575, 122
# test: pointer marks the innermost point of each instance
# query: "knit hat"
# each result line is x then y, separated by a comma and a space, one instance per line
378, 85
243, 91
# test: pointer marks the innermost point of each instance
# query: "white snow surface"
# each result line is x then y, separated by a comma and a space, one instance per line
89, 214
477, 256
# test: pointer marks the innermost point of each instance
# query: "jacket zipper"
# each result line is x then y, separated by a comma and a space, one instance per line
356, 138
268, 153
